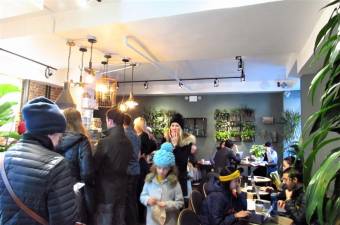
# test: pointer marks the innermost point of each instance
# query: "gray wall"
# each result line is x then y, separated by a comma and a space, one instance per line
264, 105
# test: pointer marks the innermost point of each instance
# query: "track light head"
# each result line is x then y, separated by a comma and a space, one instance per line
243, 76
180, 84
216, 82
146, 85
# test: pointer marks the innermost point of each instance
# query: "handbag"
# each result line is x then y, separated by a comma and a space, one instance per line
15, 198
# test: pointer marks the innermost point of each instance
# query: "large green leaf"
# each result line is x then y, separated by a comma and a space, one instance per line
328, 26
325, 47
317, 80
331, 3
335, 54
318, 186
10, 134
8, 88
334, 210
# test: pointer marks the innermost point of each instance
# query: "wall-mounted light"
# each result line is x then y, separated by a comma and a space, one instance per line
146, 85
216, 82
180, 84
282, 84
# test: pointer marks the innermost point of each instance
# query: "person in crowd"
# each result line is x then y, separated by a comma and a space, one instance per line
288, 162
133, 172
294, 204
162, 194
38, 175
271, 155
76, 148
112, 158
225, 204
145, 150
225, 156
184, 145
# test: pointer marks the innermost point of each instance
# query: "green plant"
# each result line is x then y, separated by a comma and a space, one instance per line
234, 133
222, 135
322, 123
248, 112
158, 120
7, 137
248, 131
291, 121
258, 150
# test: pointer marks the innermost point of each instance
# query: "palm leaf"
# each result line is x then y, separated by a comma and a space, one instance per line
329, 25
325, 47
316, 190
8, 88
331, 3
334, 55
317, 80
334, 210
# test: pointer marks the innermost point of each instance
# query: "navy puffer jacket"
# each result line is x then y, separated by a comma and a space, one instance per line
219, 206
42, 180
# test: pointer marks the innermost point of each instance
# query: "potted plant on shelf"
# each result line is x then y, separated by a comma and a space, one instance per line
235, 135
248, 133
258, 151
222, 135
322, 128
247, 113
7, 136
235, 114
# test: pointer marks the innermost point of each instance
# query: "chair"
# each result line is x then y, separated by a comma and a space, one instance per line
205, 189
196, 199
188, 217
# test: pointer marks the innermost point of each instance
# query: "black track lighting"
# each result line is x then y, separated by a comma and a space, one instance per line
243, 76
239, 63
146, 85
180, 84
216, 82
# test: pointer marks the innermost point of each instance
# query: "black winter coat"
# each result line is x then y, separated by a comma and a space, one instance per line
111, 162
41, 178
219, 206
76, 149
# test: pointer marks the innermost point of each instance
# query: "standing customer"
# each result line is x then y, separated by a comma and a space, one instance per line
162, 193
38, 175
112, 157
133, 172
184, 145
76, 148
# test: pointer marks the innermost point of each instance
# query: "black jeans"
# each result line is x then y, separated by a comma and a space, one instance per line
132, 200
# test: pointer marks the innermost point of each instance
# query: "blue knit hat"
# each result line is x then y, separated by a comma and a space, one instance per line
42, 116
164, 156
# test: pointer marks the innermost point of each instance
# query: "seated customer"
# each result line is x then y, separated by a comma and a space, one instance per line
225, 203
225, 156
295, 202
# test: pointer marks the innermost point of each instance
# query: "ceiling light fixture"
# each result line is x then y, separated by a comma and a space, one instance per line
90, 70
131, 102
180, 84
83, 50
243, 76
216, 82
146, 85
122, 106
239, 63
65, 99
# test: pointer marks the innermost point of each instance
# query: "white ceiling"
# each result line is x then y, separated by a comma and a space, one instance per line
193, 43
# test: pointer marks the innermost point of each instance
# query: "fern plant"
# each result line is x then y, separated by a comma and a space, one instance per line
322, 123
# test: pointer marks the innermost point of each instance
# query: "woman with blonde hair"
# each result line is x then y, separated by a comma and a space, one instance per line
184, 146
76, 148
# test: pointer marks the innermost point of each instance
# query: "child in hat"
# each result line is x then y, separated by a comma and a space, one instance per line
162, 194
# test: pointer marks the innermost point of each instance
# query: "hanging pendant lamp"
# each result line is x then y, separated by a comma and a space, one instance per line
122, 105
65, 99
106, 88
131, 102
90, 69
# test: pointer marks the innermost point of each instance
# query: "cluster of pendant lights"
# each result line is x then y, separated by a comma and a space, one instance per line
106, 87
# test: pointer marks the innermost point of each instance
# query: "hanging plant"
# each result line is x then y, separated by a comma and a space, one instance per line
222, 135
